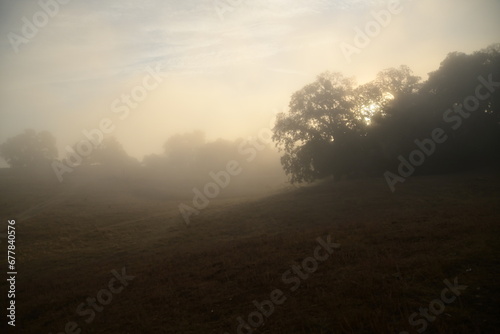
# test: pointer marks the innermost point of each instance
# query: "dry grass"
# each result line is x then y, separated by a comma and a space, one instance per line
396, 251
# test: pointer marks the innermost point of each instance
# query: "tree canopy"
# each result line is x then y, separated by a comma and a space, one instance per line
29, 149
335, 127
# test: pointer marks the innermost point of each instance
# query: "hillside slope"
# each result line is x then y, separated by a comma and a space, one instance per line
396, 251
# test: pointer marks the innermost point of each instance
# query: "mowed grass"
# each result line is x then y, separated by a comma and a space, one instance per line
396, 250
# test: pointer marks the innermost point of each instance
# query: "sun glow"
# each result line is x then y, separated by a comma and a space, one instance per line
368, 111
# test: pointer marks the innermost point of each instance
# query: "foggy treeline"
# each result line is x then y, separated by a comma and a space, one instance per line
333, 128
188, 160
336, 128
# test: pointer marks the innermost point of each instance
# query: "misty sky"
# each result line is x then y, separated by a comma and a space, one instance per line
225, 76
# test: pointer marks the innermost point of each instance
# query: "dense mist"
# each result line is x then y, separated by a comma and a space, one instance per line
264, 166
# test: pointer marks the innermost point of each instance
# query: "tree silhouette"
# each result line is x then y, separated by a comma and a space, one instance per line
110, 154
477, 138
29, 150
322, 118
335, 128
181, 149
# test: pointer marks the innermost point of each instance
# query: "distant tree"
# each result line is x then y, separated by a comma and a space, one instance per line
110, 153
181, 150
29, 150
153, 161
180, 160
215, 155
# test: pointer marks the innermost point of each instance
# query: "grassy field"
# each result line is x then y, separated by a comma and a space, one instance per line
396, 251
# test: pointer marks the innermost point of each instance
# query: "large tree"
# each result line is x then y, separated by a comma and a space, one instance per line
29, 150
322, 119
334, 128
328, 126
110, 154
181, 150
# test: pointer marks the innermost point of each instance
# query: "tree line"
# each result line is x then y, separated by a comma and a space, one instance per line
336, 128
333, 127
